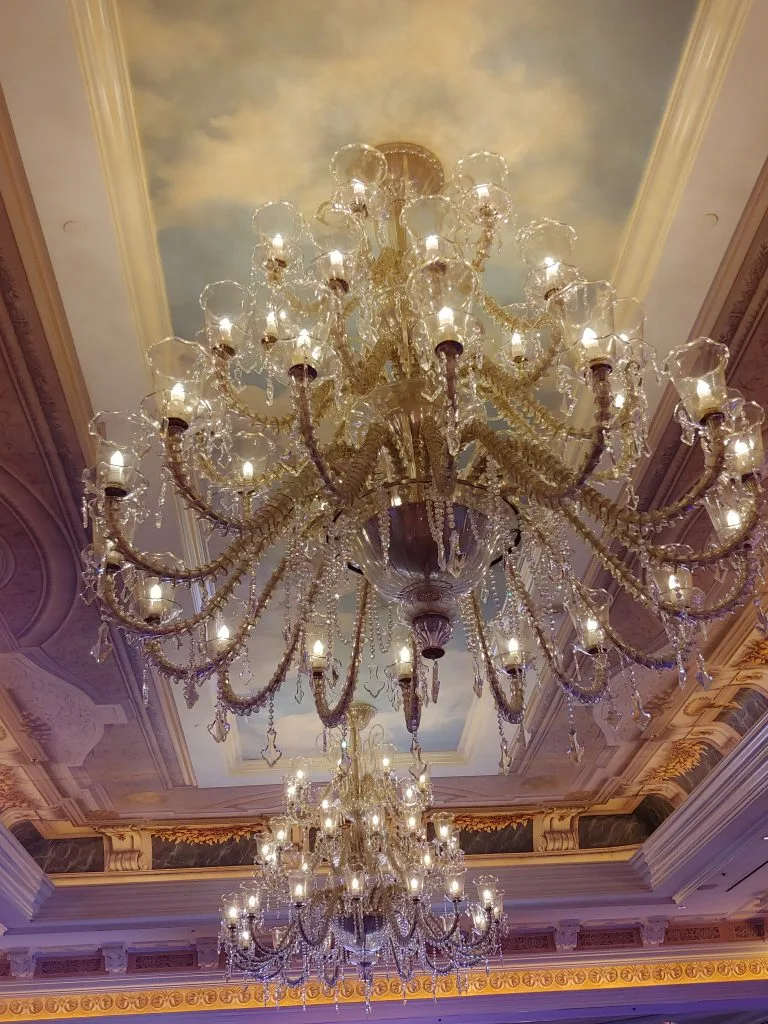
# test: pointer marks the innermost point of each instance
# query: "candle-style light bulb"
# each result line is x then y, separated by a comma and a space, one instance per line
405, 654
431, 243
674, 583
703, 390
318, 648
513, 645
222, 633
588, 337
592, 625
247, 470
155, 592
445, 317
337, 261
116, 459
733, 518
225, 327
277, 245
177, 392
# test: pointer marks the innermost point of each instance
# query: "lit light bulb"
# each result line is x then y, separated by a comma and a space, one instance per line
337, 261
385, 762
318, 649
414, 884
116, 459
741, 447
517, 339
411, 821
222, 633
444, 831
619, 400
277, 245
487, 896
232, 912
253, 901
703, 390
328, 823
454, 885
271, 324
733, 518
588, 337
326, 803
247, 470
375, 820
304, 341
177, 392
354, 884
245, 936
592, 625
405, 655
551, 267
298, 890
513, 646
396, 501
409, 794
291, 789
155, 592
445, 317
358, 189
225, 327
431, 243
427, 859
483, 192
300, 773
674, 582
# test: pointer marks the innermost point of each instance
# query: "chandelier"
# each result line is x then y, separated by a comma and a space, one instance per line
349, 883
363, 417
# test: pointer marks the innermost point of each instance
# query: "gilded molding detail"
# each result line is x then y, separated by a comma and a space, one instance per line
698, 705
754, 655
683, 756
112, 1003
12, 794
211, 835
480, 821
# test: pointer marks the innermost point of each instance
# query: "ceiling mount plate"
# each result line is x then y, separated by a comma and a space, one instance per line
416, 170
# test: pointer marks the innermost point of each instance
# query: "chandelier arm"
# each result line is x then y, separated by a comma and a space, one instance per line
484, 243
436, 930
224, 563
403, 938
510, 712
247, 705
184, 487
669, 554
411, 705
585, 695
500, 384
300, 395
331, 717
539, 366
325, 926
514, 457
232, 649
614, 516
362, 462
322, 397
370, 365
178, 627
441, 462
643, 594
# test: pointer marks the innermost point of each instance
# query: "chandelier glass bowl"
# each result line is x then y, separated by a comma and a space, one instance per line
347, 879
364, 416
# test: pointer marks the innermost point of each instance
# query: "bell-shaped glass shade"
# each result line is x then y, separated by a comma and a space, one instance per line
698, 372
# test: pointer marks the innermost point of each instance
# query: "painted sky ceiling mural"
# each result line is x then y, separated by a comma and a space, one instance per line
239, 103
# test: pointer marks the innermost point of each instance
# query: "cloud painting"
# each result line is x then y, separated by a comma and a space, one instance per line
242, 101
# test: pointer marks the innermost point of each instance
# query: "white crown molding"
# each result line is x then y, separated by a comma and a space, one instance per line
713, 36
28, 234
24, 886
722, 818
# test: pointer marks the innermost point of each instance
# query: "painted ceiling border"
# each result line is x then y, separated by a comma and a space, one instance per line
586, 977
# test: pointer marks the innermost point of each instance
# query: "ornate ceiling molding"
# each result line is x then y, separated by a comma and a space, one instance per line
587, 977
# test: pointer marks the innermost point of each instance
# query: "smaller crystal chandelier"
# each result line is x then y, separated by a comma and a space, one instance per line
349, 883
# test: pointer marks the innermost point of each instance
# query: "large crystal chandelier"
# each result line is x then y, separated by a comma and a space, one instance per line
349, 883
364, 417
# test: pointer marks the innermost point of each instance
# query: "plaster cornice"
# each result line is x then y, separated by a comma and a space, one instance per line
636, 973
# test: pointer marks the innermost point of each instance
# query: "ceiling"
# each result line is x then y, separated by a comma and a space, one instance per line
274, 89
111, 226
